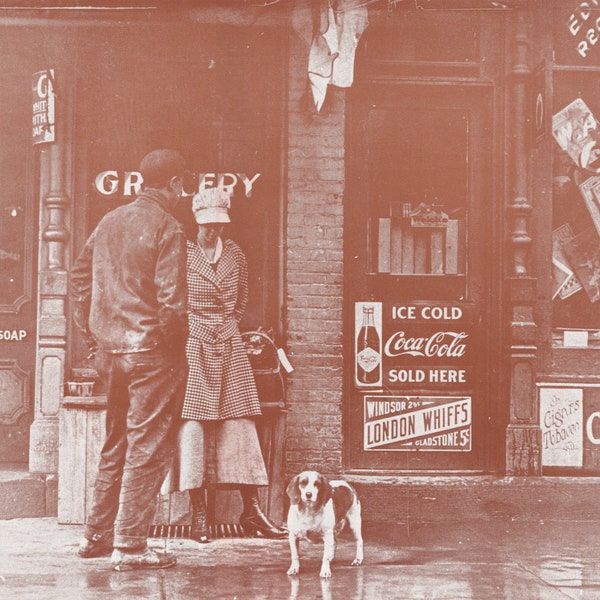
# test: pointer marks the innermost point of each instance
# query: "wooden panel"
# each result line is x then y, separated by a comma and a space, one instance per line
396, 248
408, 252
437, 251
383, 246
96, 432
421, 243
452, 247
72, 465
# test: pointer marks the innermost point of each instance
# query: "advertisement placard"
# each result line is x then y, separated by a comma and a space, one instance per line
43, 117
414, 345
426, 423
561, 420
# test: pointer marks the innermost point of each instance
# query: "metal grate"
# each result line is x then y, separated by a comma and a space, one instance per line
219, 530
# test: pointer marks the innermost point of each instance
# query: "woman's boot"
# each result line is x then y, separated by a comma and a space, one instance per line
253, 519
199, 521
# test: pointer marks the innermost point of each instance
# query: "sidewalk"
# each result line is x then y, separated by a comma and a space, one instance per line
475, 560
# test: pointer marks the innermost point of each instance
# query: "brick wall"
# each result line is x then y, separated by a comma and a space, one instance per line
313, 272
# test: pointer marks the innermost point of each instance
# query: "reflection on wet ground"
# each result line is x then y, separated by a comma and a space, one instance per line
473, 560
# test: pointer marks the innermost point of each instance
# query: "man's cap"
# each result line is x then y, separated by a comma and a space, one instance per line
211, 205
159, 166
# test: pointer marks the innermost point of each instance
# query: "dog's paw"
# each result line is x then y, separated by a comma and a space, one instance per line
293, 570
325, 573
357, 562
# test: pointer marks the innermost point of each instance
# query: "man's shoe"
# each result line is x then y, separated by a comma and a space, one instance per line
98, 546
149, 559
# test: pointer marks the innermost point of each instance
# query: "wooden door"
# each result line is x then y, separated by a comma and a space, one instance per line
420, 250
18, 255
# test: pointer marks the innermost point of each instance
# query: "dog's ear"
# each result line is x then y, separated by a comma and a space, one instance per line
325, 491
293, 490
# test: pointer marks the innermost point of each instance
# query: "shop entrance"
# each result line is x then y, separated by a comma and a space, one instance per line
18, 253
421, 315
214, 93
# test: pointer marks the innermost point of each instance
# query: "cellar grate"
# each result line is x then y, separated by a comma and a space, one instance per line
219, 530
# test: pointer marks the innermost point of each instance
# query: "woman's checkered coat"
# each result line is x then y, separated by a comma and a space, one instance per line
220, 382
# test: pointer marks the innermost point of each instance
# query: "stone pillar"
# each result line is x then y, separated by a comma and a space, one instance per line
523, 436
53, 263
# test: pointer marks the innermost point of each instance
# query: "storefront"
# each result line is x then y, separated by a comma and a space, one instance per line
421, 241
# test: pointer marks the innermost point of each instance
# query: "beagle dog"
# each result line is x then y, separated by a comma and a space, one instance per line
319, 509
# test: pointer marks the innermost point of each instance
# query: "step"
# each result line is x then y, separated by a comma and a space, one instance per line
396, 499
25, 494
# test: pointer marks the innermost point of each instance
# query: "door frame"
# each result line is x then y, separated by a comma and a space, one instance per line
483, 278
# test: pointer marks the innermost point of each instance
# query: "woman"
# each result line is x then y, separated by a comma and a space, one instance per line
221, 393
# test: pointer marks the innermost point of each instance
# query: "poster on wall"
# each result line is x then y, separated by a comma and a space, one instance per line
43, 117
575, 129
564, 281
583, 254
427, 423
561, 421
590, 190
415, 345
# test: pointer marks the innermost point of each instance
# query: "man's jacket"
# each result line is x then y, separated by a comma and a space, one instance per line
128, 284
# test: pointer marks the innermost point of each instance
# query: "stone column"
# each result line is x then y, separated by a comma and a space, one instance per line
53, 263
523, 436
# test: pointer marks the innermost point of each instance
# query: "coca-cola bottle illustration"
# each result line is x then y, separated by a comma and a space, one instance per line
368, 356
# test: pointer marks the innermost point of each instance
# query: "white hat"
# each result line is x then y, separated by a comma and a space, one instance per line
211, 205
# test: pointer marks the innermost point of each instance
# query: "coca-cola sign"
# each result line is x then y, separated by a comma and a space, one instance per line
423, 345
440, 344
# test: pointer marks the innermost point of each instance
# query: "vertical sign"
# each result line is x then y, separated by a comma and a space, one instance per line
561, 420
367, 337
43, 107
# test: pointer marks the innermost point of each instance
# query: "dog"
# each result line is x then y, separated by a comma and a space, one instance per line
319, 509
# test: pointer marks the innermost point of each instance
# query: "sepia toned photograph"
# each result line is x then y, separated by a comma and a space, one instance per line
299, 299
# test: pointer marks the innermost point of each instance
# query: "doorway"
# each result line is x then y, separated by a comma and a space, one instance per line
420, 321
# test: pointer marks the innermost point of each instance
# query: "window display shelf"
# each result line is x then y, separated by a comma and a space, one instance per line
98, 401
576, 338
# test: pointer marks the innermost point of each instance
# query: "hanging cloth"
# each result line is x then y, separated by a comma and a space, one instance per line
333, 46
352, 19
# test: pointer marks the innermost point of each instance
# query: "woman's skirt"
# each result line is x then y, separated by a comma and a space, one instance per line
218, 453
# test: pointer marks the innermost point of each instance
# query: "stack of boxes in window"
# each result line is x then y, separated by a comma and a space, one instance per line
420, 241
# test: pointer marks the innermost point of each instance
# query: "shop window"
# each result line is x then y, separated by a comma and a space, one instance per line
576, 210
418, 179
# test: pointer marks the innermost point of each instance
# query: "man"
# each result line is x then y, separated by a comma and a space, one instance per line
129, 294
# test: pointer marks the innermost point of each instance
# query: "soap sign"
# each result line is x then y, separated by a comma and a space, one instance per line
43, 117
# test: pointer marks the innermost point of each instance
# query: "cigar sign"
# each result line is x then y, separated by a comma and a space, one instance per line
427, 423
562, 425
414, 345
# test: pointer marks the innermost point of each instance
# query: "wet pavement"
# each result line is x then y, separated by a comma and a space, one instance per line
481, 559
